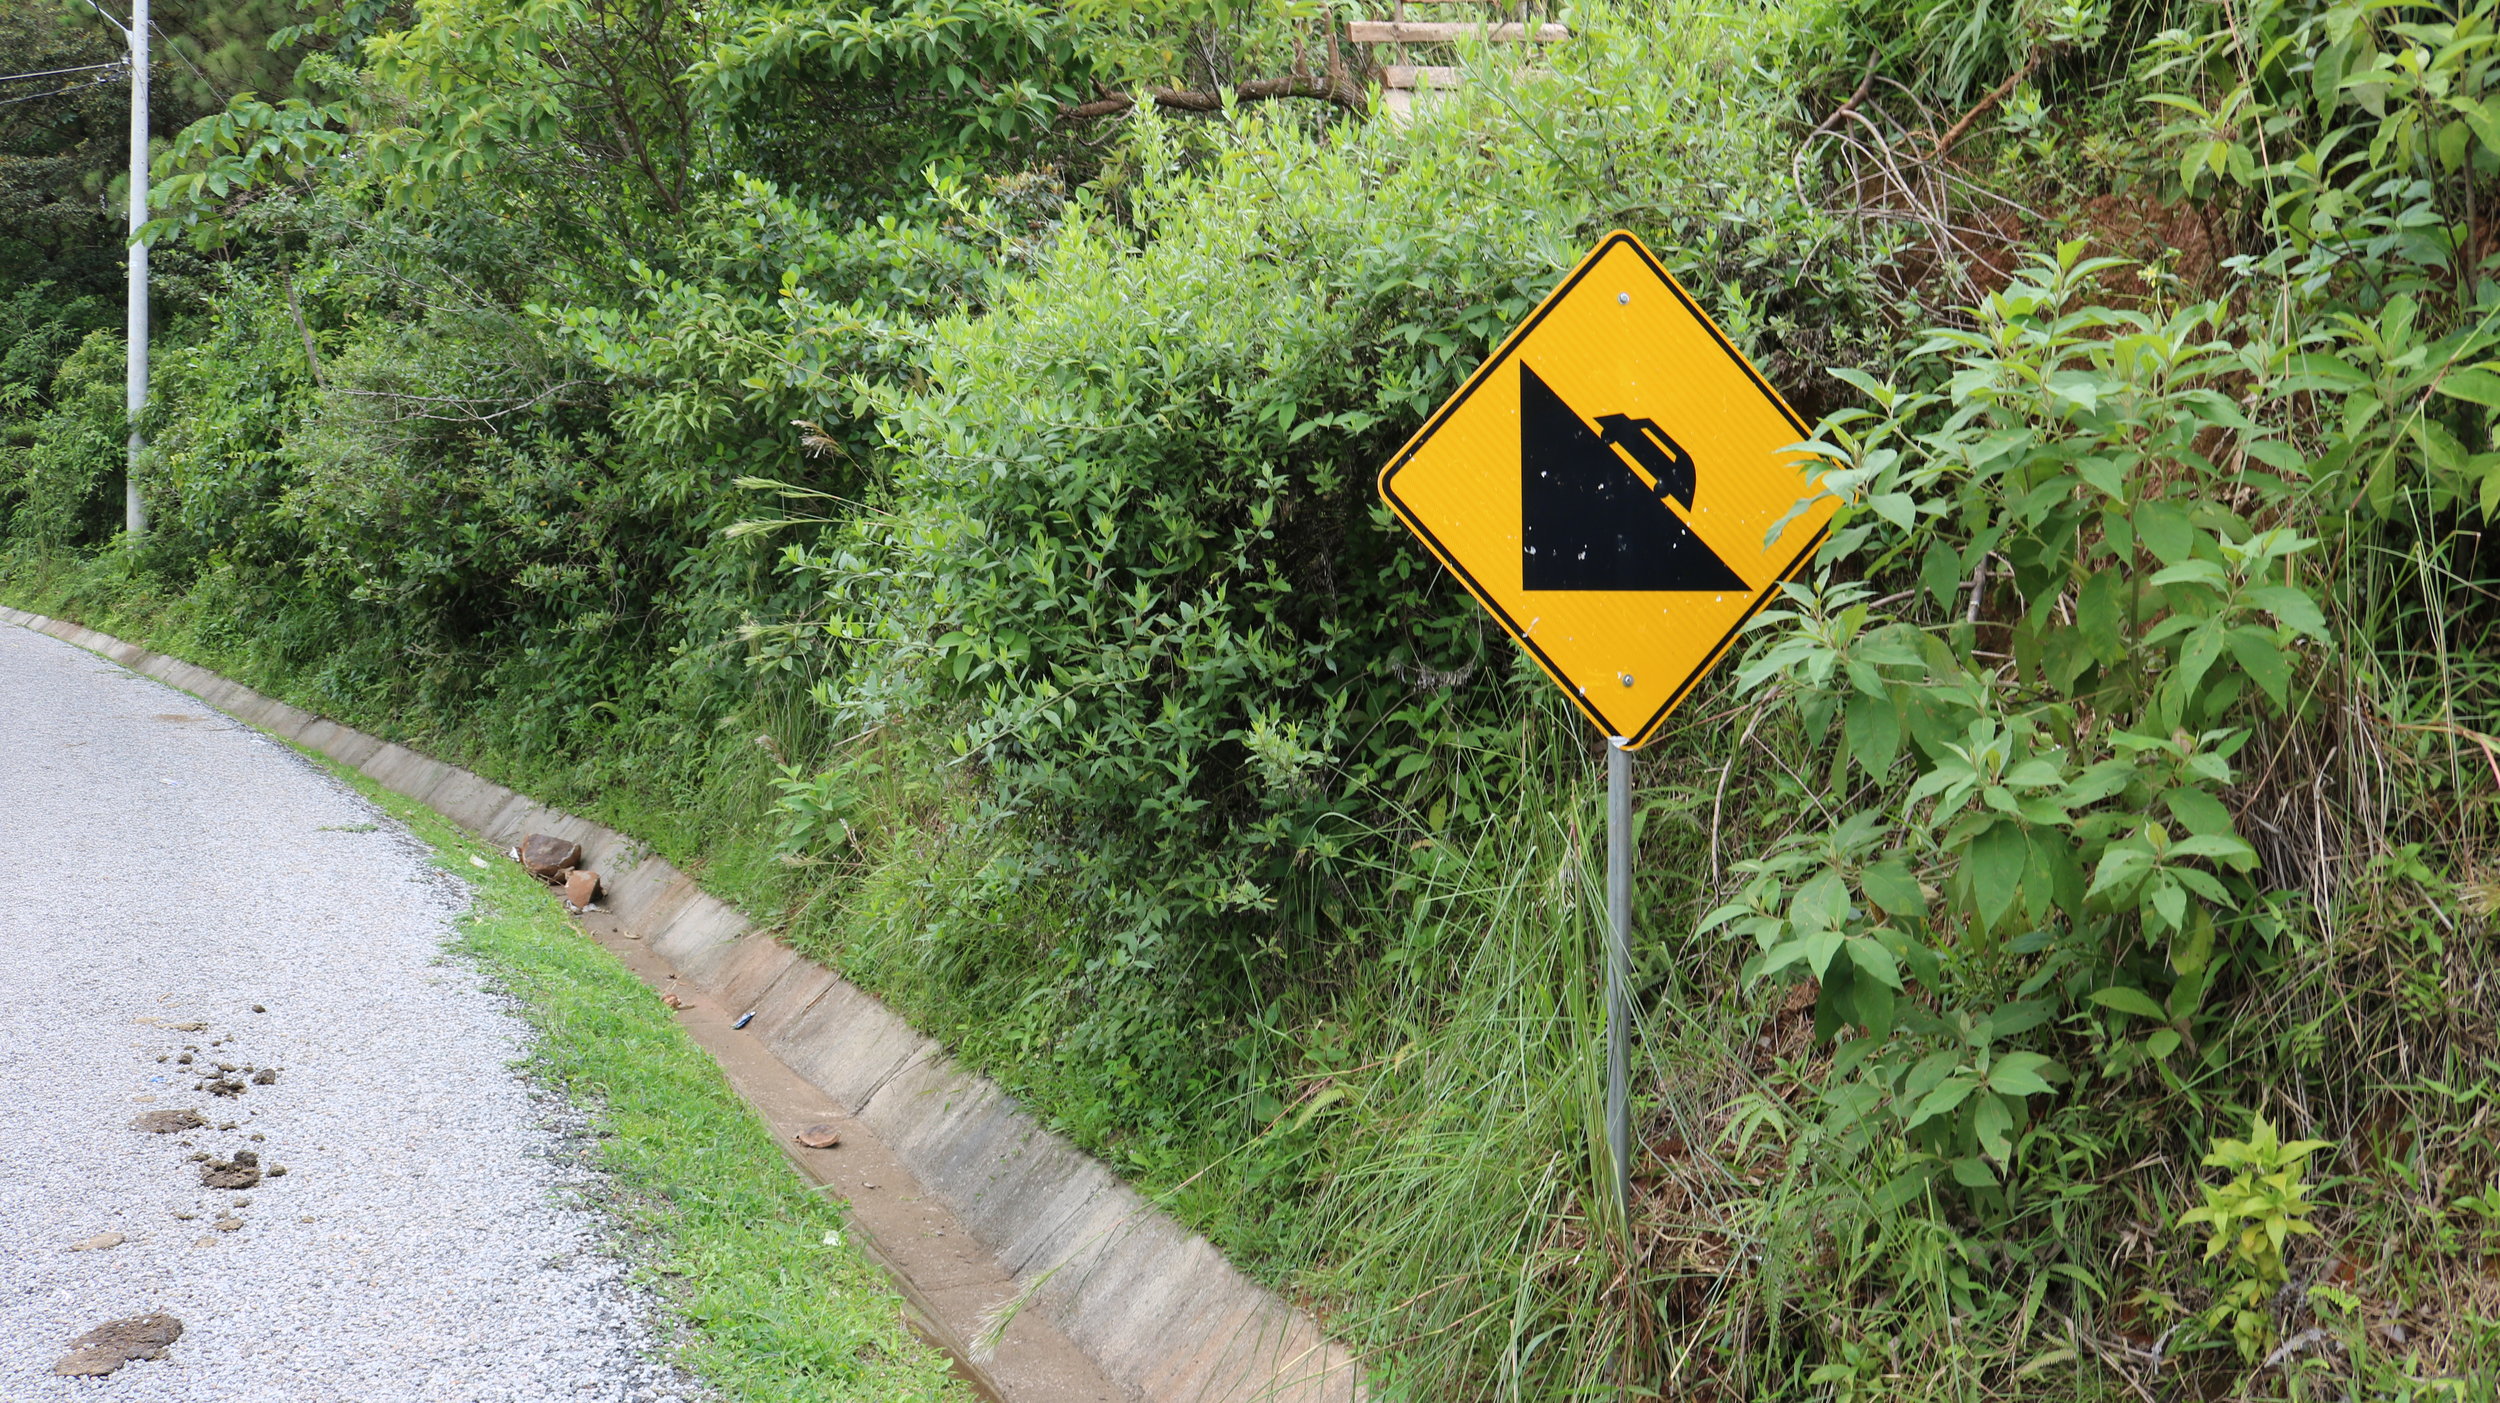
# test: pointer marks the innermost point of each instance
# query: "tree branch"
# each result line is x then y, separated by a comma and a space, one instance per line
1339, 86
1945, 143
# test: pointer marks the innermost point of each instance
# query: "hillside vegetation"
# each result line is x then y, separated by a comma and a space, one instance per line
906, 469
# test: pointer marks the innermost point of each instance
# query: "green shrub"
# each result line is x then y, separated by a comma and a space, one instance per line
1129, 529
60, 479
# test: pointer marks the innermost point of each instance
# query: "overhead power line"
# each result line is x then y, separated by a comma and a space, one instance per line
58, 92
172, 48
108, 18
56, 72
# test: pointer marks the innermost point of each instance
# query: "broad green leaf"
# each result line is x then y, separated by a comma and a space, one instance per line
2265, 661
2118, 866
2291, 606
1992, 1124
2126, 1000
2170, 900
1874, 960
1890, 886
2197, 811
2164, 529
2193, 572
1873, 732
2100, 616
1940, 571
1822, 903
2022, 1074
1899, 508
2196, 657
1943, 1099
2225, 847
1997, 859
2472, 384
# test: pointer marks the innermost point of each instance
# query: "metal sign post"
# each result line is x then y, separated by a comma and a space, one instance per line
1619, 970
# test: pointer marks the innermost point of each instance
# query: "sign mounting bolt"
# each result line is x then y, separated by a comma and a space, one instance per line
1627, 679
1623, 299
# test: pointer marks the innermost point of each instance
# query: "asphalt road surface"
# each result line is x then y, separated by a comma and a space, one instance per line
175, 886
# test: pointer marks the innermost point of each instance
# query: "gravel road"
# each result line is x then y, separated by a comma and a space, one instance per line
175, 885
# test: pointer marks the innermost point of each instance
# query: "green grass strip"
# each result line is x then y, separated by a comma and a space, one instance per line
758, 1262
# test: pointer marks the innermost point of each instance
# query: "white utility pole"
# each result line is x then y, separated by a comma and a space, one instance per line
135, 511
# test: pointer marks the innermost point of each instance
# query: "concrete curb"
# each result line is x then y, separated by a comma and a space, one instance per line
1154, 1306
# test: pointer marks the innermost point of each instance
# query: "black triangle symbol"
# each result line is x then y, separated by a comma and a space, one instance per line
1587, 522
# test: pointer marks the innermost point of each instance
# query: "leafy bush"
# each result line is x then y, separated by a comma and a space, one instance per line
1131, 534
61, 469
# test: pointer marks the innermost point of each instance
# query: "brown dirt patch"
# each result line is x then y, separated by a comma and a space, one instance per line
241, 1172
116, 1342
2136, 226
169, 1122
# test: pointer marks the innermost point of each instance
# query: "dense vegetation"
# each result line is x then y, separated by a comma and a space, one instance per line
915, 462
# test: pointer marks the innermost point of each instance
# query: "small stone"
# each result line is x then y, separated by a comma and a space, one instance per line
241, 1172
581, 887
672, 1001
227, 1224
168, 1122
266, 1076
100, 1242
256, 1008
819, 1137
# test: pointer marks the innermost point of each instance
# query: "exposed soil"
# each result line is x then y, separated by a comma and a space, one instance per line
2136, 226
116, 1342
169, 1122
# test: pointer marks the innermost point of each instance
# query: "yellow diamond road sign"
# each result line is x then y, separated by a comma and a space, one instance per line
1605, 483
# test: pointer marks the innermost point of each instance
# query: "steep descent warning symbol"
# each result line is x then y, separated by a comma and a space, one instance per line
1617, 486
1587, 521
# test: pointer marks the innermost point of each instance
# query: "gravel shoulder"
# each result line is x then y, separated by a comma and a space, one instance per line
173, 884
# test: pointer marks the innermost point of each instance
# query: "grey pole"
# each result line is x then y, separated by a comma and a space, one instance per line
1619, 971
135, 396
